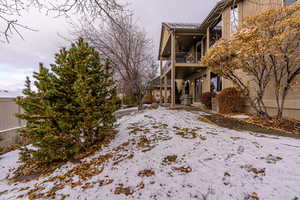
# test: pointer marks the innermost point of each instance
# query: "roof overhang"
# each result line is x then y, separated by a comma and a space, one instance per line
216, 13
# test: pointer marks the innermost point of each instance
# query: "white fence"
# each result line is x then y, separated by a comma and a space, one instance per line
9, 124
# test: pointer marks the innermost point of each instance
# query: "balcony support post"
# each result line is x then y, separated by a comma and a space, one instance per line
166, 91
208, 71
160, 81
202, 48
173, 60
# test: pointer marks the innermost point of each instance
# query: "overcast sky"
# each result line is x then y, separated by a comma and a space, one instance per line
20, 58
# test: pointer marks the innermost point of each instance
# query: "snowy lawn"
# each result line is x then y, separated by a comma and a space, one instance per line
168, 154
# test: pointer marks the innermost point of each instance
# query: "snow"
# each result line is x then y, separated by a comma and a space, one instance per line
125, 111
224, 163
8, 163
241, 116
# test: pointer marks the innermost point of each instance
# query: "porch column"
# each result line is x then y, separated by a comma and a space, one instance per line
160, 82
173, 60
166, 91
208, 71
192, 86
207, 38
202, 48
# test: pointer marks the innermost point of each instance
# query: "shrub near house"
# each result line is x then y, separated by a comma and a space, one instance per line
230, 101
206, 99
72, 107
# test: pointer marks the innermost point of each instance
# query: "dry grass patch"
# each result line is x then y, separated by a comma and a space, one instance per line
159, 126
30, 170
187, 134
83, 170
145, 144
122, 157
271, 159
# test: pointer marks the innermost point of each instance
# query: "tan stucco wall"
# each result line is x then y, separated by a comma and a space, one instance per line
292, 103
247, 8
289, 112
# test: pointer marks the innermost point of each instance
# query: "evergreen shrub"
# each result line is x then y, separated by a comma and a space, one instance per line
71, 108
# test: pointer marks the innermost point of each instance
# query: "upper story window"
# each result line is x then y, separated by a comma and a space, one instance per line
234, 19
215, 32
289, 2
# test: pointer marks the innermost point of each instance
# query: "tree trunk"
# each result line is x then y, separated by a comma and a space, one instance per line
281, 106
140, 101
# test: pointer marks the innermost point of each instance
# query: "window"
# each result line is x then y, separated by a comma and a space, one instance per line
215, 33
289, 2
198, 88
215, 83
234, 19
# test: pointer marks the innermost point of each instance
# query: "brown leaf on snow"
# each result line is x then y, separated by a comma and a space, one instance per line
252, 196
120, 189
146, 173
257, 171
105, 182
168, 160
183, 169
140, 186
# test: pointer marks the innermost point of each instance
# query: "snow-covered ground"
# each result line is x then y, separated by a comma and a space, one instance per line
167, 154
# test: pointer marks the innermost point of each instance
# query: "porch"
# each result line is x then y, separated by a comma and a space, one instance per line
182, 47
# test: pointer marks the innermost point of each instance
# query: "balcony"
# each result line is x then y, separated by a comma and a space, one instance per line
187, 58
183, 59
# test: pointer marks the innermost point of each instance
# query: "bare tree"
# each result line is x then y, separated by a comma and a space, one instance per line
128, 48
12, 10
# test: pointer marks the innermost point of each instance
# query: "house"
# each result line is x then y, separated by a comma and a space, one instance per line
8, 121
182, 45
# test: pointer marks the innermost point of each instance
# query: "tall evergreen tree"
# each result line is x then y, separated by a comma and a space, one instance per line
72, 107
